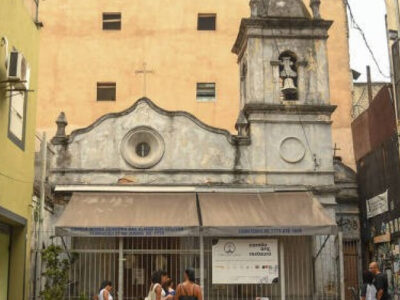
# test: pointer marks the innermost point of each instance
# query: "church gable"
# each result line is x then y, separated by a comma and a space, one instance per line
146, 137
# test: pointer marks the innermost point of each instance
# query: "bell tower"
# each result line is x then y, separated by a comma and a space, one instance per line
285, 110
282, 55
284, 99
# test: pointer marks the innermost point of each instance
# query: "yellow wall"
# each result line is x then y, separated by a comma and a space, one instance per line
392, 24
17, 165
391, 13
76, 53
4, 266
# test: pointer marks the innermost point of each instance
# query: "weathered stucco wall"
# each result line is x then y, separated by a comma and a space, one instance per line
194, 153
76, 53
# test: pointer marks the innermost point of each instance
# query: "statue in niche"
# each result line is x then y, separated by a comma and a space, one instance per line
288, 75
315, 4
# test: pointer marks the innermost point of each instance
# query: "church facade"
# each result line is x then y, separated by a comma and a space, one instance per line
254, 213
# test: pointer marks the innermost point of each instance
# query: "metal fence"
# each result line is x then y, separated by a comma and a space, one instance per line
310, 266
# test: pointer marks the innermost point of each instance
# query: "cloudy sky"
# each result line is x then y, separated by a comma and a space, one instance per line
370, 16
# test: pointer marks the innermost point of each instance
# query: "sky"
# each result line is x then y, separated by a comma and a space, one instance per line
370, 16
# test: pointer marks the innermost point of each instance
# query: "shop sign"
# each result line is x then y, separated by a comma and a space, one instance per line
385, 238
377, 205
126, 231
245, 261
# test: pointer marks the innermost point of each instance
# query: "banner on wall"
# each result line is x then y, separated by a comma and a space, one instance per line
245, 261
377, 205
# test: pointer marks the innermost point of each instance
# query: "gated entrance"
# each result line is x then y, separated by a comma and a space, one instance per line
308, 271
351, 267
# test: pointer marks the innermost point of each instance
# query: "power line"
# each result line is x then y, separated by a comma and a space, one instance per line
357, 27
15, 179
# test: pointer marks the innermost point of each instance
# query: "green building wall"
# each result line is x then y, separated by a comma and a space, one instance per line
16, 163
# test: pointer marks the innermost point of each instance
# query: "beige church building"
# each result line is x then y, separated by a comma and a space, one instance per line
259, 214
99, 56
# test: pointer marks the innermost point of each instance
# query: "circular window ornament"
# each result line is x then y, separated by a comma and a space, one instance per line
142, 147
292, 150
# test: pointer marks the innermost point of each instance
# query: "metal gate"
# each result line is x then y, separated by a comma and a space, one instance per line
98, 259
309, 267
351, 267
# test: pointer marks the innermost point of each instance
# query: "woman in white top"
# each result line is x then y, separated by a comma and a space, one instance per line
156, 291
368, 289
105, 291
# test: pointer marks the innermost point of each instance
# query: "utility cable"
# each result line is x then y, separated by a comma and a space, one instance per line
15, 179
357, 27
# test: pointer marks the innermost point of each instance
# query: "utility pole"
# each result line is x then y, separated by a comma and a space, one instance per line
369, 85
397, 17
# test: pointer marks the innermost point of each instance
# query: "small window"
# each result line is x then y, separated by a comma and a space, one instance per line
17, 118
205, 92
111, 21
106, 91
206, 21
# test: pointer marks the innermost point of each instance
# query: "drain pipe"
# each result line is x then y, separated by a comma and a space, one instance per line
121, 269
38, 275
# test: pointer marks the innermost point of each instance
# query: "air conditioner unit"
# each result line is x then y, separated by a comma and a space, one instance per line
17, 69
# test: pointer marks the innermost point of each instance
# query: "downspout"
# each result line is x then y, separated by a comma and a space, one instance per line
41, 214
37, 12
391, 62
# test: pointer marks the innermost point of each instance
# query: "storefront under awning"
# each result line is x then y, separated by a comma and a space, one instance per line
129, 214
263, 214
180, 214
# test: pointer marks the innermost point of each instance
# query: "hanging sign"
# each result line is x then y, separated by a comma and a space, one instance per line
377, 205
245, 261
384, 238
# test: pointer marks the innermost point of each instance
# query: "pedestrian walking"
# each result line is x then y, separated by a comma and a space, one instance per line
169, 289
368, 289
156, 292
188, 290
105, 291
380, 282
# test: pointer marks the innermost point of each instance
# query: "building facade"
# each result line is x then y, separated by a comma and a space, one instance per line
18, 32
96, 46
378, 169
168, 191
392, 30
361, 96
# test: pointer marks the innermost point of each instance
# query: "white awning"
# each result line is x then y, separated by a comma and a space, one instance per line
264, 214
129, 214
177, 214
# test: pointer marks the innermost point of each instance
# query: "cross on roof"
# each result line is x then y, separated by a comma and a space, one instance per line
144, 71
335, 149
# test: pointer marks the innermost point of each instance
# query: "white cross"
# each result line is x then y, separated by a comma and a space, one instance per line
144, 71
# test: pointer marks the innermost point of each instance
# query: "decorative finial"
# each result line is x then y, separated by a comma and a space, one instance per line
258, 8
242, 125
60, 136
314, 4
